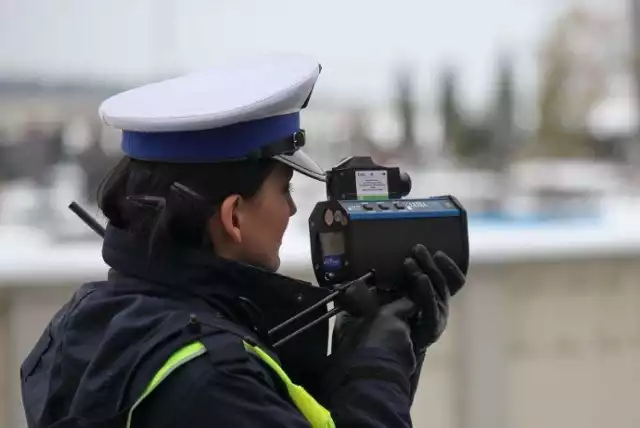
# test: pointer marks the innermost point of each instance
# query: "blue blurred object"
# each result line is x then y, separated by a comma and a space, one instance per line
539, 219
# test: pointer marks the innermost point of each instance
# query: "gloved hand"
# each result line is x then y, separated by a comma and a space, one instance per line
406, 327
377, 346
387, 330
429, 282
367, 382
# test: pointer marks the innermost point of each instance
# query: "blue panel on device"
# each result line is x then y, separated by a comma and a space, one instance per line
401, 208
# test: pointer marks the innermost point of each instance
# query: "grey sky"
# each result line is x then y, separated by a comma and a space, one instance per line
359, 42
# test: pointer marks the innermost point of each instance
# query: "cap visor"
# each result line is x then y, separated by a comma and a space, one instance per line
301, 162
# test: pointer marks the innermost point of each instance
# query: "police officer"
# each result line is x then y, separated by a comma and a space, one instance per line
178, 334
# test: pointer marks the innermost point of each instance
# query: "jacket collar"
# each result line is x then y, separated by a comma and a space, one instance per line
257, 298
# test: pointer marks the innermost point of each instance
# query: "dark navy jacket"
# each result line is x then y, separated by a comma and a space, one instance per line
103, 347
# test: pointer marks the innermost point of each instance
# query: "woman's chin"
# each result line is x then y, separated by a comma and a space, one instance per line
275, 263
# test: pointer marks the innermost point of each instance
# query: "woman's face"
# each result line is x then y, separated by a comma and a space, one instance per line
252, 229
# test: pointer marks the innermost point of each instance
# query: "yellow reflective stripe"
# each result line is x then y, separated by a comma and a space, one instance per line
270, 362
318, 416
179, 358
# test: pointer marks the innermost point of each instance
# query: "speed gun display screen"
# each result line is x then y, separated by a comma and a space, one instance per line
332, 243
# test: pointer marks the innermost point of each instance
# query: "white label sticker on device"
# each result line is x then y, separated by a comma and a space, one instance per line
372, 185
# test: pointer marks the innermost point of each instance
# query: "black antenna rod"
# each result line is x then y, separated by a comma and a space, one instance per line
87, 218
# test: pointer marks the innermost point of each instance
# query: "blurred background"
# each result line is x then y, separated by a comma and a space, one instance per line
526, 110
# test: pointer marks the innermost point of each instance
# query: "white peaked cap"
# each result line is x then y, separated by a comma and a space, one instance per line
234, 111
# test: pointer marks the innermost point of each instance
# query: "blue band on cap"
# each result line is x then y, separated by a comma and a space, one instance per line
233, 141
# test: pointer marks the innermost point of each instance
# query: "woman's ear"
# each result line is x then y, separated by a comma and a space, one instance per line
230, 217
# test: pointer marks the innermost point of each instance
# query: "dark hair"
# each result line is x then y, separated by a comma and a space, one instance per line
150, 201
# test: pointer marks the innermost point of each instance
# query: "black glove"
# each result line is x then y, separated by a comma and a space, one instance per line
386, 333
429, 282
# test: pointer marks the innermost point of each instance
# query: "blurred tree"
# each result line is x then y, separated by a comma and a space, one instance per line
503, 120
358, 131
451, 115
406, 109
469, 140
575, 63
501, 136
635, 46
632, 153
475, 143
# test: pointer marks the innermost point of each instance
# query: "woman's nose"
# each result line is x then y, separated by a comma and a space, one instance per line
292, 206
